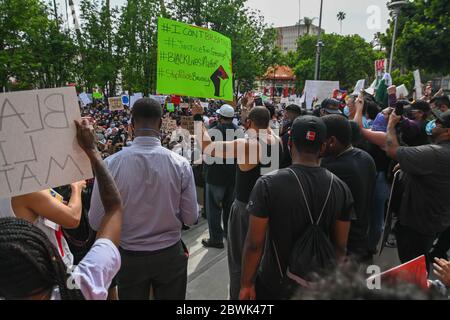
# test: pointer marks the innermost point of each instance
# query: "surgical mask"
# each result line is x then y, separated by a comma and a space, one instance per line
347, 111
430, 126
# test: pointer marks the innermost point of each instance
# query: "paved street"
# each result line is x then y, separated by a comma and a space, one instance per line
208, 268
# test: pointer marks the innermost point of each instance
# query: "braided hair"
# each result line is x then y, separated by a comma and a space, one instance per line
30, 263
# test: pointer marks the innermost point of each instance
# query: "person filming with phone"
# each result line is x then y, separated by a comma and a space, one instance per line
412, 126
425, 206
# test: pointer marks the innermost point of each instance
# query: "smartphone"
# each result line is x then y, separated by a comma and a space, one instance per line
400, 107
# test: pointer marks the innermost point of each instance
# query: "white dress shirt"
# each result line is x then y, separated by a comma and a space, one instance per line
158, 194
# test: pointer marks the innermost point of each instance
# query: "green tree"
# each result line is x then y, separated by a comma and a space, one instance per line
344, 58
253, 47
137, 44
423, 40
34, 51
308, 23
99, 64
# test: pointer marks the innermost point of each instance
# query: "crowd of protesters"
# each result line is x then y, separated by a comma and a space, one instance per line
291, 191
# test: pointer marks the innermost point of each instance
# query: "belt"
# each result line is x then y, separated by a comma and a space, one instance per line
146, 253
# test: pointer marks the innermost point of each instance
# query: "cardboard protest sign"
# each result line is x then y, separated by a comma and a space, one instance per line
320, 90
84, 98
188, 124
359, 86
414, 272
38, 146
418, 84
168, 126
380, 67
135, 98
193, 61
402, 92
115, 104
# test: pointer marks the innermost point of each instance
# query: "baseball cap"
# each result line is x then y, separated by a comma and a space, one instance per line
331, 106
443, 118
226, 111
421, 105
309, 131
294, 108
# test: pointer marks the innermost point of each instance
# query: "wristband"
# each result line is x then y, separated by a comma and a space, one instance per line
198, 117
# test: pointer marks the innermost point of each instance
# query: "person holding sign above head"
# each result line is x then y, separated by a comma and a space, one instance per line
159, 196
31, 267
257, 153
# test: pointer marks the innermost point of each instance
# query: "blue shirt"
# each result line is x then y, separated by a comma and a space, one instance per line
158, 194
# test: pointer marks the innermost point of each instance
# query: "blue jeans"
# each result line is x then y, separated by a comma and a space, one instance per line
215, 197
380, 196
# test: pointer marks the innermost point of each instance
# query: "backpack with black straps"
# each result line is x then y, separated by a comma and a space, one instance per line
313, 253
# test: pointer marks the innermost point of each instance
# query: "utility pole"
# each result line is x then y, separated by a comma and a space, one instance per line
319, 45
395, 7
56, 11
299, 17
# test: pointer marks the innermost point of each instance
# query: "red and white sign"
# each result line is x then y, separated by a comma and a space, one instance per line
380, 66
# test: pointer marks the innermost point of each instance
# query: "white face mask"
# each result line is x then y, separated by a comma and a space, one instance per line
347, 111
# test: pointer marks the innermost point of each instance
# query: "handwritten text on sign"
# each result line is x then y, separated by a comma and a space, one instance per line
115, 104
193, 61
38, 146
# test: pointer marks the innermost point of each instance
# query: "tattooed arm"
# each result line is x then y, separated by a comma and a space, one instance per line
392, 144
111, 223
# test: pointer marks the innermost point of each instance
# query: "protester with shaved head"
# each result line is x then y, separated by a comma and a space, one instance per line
158, 193
257, 153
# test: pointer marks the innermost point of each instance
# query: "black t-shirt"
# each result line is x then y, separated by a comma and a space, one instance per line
222, 173
357, 169
286, 159
382, 161
278, 197
425, 205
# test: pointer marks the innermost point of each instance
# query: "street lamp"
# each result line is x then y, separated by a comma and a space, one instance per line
319, 45
395, 7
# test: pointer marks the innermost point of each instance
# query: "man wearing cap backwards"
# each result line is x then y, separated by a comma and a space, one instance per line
425, 206
413, 128
257, 153
220, 179
271, 203
330, 106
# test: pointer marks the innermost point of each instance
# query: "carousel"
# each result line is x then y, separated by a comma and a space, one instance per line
278, 82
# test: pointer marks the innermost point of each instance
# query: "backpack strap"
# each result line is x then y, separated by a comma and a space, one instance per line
306, 201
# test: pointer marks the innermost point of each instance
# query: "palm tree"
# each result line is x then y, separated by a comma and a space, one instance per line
341, 17
308, 23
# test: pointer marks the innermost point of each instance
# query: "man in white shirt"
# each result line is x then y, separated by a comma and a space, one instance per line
159, 196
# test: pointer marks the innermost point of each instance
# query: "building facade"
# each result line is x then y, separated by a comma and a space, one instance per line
287, 36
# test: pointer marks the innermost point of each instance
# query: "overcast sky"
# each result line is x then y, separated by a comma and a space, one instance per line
364, 17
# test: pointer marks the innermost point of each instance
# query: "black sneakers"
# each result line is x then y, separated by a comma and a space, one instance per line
208, 244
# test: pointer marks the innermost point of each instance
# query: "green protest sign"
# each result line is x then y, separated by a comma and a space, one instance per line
193, 61
170, 107
97, 95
